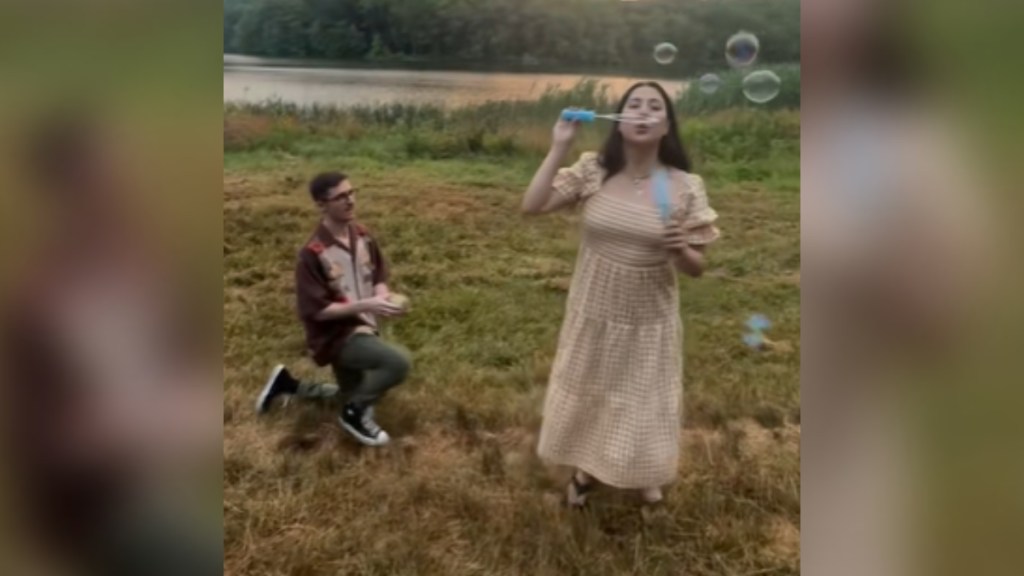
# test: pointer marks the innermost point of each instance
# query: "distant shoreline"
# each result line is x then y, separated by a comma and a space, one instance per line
652, 71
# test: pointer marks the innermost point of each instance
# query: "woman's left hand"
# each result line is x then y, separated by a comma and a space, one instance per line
675, 237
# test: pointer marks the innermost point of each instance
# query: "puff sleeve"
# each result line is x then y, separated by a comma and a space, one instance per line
580, 181
695, 214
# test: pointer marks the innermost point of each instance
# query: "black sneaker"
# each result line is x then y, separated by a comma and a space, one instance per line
360, 424
281, 382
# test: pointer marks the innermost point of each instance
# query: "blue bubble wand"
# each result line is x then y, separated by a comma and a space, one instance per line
661, 195
590, 116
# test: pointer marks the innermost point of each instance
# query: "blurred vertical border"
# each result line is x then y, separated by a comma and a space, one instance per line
148, 75
912, 316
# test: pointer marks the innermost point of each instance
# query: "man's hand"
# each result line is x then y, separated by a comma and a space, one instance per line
380, 306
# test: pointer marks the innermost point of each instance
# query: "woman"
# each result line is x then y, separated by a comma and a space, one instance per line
614, 401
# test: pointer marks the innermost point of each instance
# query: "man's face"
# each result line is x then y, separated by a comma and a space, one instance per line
340, 204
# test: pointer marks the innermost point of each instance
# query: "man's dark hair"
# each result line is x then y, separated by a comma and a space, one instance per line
322, 184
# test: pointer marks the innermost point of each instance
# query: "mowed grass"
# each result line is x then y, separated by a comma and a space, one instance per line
460, 490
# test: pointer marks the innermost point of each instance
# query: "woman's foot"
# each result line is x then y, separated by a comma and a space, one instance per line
652, 495
578, 489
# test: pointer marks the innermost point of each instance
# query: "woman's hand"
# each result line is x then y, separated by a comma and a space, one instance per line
563, 133
675, 238
686, 258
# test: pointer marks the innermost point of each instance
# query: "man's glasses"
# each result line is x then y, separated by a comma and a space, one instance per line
347, 195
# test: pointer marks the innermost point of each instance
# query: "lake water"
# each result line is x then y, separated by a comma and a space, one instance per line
254, 80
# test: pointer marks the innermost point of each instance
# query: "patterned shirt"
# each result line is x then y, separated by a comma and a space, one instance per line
330, 272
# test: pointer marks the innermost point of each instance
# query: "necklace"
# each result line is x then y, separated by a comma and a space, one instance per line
638, 181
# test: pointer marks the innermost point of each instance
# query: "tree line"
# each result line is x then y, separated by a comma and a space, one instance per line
542, 33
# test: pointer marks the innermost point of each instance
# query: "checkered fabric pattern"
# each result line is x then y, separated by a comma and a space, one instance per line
614, 400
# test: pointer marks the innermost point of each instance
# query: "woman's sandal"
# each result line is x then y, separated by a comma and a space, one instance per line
576, 492
652, 497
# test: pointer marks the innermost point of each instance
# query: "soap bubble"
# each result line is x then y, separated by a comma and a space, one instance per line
761, 86
759, 322
753, 339
665, 53
710, 83
741, 49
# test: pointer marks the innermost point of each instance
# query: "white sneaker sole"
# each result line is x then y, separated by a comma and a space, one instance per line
261, 407
381, 440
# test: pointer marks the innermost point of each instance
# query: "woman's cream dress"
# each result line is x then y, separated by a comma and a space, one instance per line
614, 401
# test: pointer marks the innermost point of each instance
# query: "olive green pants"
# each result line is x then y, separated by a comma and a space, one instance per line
366, 367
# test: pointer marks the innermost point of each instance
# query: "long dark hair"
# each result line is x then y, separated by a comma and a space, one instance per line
670, 150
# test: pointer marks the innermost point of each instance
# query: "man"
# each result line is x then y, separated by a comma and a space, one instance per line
341, 287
